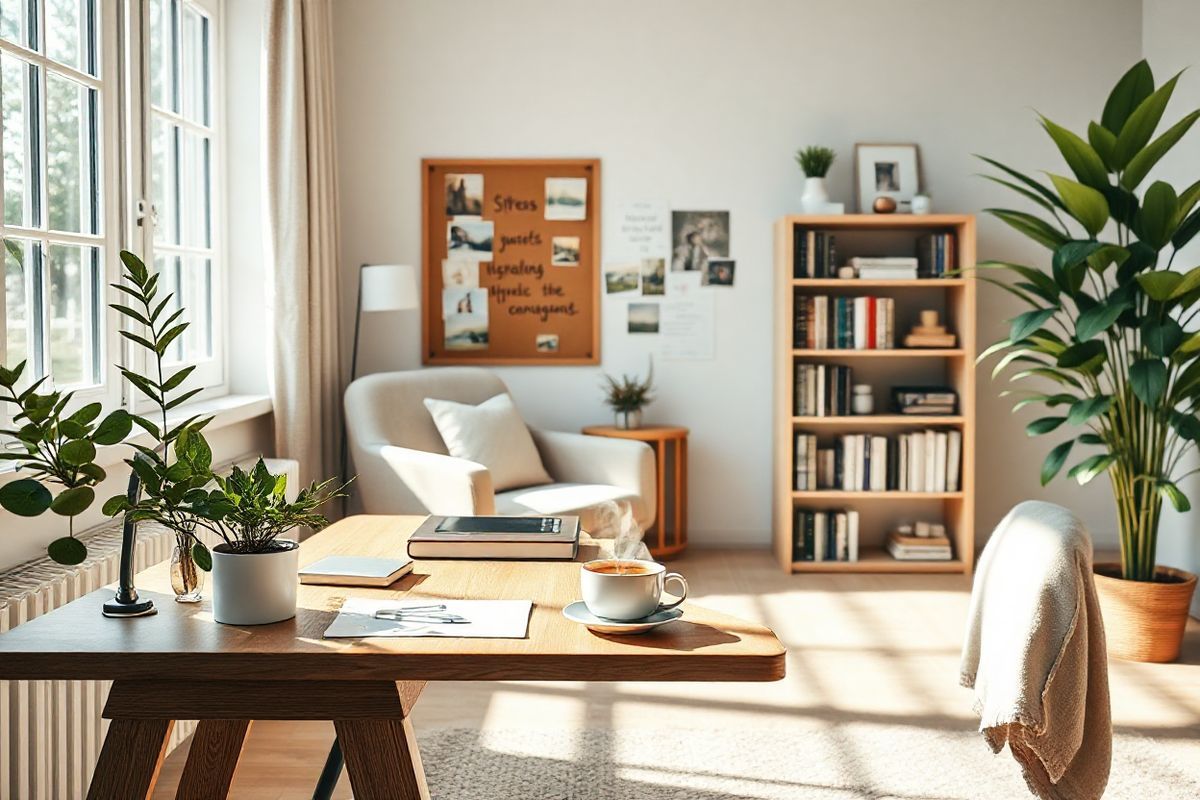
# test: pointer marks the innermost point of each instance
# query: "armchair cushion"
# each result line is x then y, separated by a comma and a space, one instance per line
492, 434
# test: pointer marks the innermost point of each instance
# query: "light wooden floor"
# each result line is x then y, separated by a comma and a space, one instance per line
861, 648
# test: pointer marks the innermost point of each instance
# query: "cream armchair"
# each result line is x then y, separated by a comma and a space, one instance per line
403, 466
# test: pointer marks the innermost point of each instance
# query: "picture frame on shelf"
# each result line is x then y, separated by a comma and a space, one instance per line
886, 170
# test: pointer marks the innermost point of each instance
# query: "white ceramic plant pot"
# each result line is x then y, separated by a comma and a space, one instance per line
815, 196
629, 420
255, 588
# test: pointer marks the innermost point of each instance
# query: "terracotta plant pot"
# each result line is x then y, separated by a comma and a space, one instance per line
1144, 620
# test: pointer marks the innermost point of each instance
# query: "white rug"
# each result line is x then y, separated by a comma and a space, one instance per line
824, 761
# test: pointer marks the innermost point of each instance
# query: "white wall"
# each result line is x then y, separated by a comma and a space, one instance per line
702, 103
1169, 30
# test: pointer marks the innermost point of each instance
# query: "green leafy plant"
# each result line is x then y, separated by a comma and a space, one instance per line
629, 393
1109, 335
59, 449
256, 511
815, 161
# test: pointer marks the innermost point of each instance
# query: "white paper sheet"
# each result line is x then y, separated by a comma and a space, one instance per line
686, 325
642, 231
489, 619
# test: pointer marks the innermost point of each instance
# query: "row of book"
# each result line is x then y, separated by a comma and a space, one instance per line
825, 535
814, 254
844, 323
927, 400
936, 255
918, 461
823, 390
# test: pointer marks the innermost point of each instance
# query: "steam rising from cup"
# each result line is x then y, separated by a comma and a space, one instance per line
615, 521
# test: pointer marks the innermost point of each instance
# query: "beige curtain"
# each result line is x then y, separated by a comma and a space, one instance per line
302, 240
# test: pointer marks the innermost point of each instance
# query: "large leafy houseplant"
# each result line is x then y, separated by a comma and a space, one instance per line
1110, 327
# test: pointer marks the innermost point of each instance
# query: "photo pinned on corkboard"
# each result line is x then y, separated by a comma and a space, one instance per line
464, 195
564, 251
566, 198
547, 343
697, 236
465, 312
470, 240
643, 317
460, 274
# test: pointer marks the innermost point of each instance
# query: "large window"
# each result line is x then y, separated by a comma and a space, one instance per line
72, 198
53, 93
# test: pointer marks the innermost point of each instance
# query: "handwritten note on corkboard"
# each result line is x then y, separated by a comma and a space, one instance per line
511, 252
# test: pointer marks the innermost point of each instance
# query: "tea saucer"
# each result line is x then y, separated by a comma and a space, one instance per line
578, 612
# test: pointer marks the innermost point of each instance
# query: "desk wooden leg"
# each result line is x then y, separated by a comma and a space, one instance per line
216, 747
132, 754
382, 759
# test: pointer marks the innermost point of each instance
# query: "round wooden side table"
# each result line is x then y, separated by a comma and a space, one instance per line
668, 535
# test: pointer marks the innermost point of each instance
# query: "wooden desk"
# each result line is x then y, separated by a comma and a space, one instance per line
182, 665
668, 536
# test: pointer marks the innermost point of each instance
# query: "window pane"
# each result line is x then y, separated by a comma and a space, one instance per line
194, 195
163, 73
14, 16
71, 146
196, 295
18, 301
20, 172
72, 272
69, 38
168, 268
194, 57
164, 155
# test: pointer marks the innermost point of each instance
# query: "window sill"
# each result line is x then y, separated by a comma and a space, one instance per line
226, 410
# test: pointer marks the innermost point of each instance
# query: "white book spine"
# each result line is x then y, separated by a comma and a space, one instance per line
860, 323
841, 537
852, 535
930, 459
822, 314
860, 463
916, 463
821, 410
819, 537
939, 468
953, 459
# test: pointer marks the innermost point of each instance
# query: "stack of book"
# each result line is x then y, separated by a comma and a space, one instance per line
875, 268
936, 255
844, 323
814, 254
920, 461
919, 548
822, 390
825, 535
924, 400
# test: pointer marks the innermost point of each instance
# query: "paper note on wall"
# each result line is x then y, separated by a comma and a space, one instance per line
686, 326
642, 231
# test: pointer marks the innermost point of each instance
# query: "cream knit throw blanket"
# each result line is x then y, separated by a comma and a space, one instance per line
1035, 655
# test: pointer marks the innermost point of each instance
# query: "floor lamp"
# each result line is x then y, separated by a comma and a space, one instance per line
381, 287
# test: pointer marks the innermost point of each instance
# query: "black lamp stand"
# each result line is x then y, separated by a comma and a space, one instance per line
126, 603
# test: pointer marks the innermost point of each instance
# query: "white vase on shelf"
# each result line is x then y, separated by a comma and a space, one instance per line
815, 197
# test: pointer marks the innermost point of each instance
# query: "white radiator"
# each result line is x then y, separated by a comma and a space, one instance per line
51, 731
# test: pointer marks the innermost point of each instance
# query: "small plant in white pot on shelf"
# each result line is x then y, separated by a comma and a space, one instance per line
627, 397
255, 571
815, 161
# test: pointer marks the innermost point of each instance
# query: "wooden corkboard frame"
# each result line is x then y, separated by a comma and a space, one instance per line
512, 327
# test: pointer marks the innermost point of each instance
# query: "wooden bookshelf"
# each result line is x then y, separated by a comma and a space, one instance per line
874, 234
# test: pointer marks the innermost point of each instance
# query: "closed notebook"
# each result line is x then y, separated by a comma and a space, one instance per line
495, 537
355, 571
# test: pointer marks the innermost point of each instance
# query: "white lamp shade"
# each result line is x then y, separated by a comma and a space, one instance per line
389, 287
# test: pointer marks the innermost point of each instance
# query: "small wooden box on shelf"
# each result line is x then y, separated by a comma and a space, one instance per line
954, 298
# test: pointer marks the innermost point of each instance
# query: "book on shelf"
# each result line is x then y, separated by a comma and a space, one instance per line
932, 400
884, 267
916, 461
822, 390
814, 253
936, 255
824, 535
918, 548
821, 322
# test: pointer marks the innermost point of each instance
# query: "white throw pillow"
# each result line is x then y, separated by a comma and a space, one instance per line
493, 434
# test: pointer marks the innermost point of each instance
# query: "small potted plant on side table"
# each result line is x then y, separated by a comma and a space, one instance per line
627, 397
255, 572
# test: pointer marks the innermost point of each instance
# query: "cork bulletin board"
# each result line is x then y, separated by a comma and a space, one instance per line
511, 261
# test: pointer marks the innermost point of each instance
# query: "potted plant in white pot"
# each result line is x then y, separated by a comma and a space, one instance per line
627, 397
1110, 341
255, 571
815, 162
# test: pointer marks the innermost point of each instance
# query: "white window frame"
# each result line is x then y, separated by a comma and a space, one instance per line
210, 373
108, 390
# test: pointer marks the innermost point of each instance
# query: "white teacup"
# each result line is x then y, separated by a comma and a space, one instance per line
626, 590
